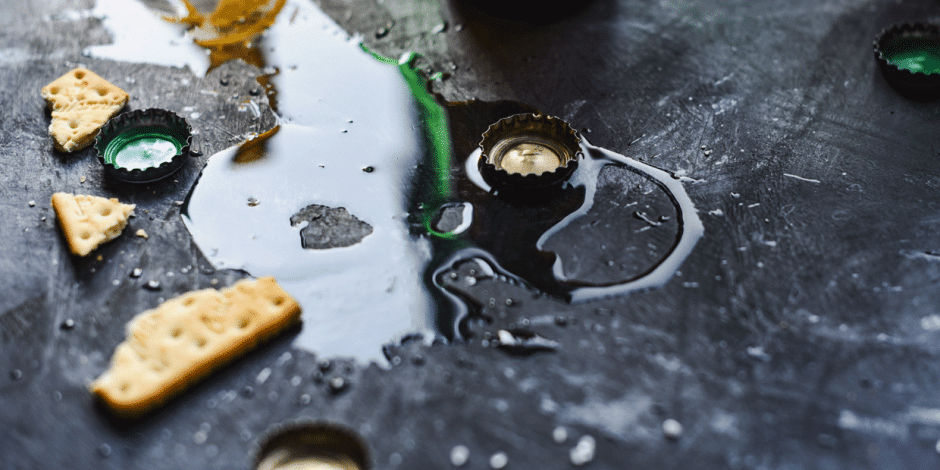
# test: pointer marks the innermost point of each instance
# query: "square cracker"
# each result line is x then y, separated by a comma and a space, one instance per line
89, 221
81, 102
184, 339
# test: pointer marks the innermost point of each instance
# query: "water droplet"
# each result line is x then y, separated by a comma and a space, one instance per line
304, 399
337, 385
104, 450
459, 456
417, 359
470, 280
499, 460
223, 81
325, 365
67, 324
560, 435
16, 374
439, 28
248, 391
583, 452
672, 429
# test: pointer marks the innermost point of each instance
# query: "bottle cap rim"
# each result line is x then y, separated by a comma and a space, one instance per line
122, 145
528, 151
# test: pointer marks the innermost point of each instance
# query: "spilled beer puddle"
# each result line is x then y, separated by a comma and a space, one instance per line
359, 138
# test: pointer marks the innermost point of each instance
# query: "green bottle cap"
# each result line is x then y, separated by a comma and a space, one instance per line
909, 57
528, 151
143, 145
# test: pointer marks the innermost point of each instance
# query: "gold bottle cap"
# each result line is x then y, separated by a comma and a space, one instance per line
528, 151
312, 446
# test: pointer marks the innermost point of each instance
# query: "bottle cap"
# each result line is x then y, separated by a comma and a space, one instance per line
143, 145
311, 445
909, 57
528, 151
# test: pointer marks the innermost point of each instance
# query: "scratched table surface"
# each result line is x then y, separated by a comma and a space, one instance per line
802, 331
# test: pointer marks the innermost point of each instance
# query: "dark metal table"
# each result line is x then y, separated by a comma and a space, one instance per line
803, 331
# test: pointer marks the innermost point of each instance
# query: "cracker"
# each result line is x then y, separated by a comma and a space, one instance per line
81, 102
89, 221
186, 338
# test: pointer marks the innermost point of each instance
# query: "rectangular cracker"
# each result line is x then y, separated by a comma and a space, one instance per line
81, 102
89, 221
186, 338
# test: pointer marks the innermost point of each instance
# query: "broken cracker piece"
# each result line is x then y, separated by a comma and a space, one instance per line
169, 348
81, 102
89, 221
142, 234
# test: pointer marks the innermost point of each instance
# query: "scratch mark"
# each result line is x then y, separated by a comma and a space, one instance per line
808, 180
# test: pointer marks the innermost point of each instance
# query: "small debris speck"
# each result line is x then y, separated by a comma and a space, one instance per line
32, 203
459, 456
252, 202
81, 179
152, 284
672, 429
68, 324
142, 234
137, 272
178, 203
499, 460
368, 169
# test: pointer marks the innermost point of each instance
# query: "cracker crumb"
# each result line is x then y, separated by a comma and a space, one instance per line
142, 234
32, 203
81, 179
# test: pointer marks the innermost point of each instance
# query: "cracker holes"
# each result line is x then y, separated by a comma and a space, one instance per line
79, 75
54, 91
102, 91
105, 212
176, 332
189, 302
86, 235
278, 301
125, 386
244, 322
200, 343
73, 124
